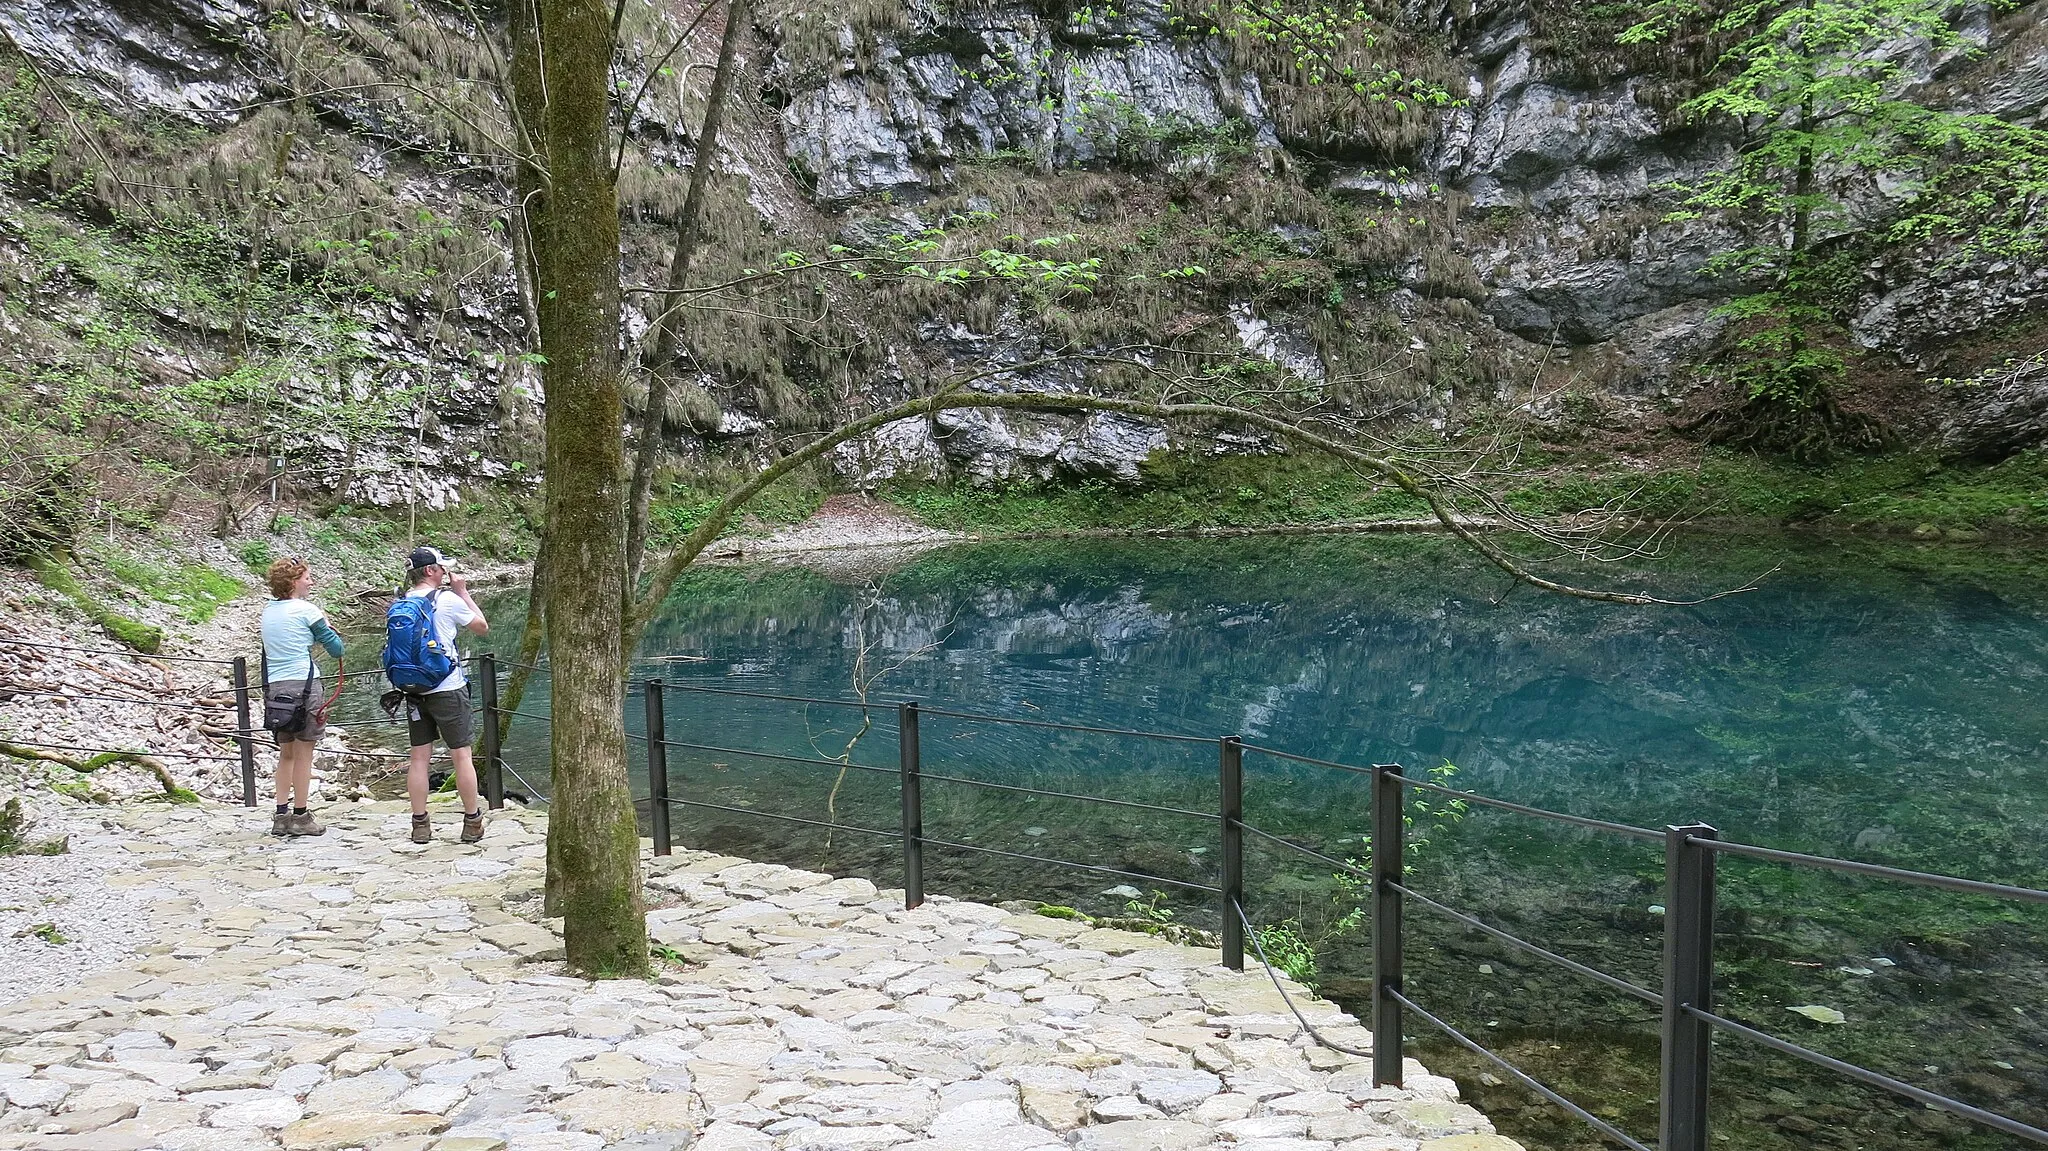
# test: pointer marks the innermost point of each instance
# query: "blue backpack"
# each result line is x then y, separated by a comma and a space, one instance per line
414, 660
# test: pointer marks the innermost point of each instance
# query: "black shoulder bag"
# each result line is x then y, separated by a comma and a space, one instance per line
291, 720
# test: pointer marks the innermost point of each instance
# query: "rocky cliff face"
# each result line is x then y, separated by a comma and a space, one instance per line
1431, 263
1556, 171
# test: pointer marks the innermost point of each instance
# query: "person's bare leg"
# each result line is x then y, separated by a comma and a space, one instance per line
416, 789
416, 777
465, 777
465, 783
301, 820
302, 775
283, 778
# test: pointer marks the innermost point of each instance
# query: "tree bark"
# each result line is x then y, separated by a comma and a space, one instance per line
668, 327
562, 60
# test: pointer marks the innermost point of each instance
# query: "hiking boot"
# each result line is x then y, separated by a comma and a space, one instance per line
422, 829
303, 823
281, 823
472, 827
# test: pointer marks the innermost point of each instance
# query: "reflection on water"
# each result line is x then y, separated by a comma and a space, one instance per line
1868, 702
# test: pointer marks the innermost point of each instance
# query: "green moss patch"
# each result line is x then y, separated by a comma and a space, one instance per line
196, 590
1906, 493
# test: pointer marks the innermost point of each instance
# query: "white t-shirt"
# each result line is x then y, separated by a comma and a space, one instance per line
451, 615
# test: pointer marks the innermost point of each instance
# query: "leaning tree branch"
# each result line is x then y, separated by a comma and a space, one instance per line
715, 521
632, 107
668, 334
152, 764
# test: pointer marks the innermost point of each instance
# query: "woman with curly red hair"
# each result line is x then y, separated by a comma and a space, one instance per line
292, 708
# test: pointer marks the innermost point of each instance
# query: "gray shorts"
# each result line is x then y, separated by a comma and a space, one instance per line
444, 715
280, 698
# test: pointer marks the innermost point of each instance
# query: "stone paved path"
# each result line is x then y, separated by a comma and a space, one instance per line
357, 991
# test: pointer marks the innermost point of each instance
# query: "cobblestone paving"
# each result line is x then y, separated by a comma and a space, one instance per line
358, 991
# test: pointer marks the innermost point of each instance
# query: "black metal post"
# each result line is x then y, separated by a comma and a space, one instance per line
487, 703
1389, 796
911, 786
244, 735
1688, 982
1230, 758
657, 767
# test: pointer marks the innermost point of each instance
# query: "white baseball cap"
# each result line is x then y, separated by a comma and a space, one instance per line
426, 557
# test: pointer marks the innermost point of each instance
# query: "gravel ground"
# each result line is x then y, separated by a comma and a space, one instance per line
45, 700
42, 701
100, 925
843, 521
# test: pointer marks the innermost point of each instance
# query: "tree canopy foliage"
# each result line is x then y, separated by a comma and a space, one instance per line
1841, 156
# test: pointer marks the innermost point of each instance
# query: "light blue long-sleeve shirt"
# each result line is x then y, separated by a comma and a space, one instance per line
290, 629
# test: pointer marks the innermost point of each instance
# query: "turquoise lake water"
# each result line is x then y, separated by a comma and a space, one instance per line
1872, 701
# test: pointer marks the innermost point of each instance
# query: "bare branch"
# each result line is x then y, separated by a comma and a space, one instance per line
633, 106
952, 398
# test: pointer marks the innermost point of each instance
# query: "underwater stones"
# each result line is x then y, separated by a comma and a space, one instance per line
1163, 860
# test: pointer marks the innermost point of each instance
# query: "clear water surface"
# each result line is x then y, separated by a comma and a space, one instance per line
1872, 701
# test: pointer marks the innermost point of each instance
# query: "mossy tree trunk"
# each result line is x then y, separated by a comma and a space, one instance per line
562, 53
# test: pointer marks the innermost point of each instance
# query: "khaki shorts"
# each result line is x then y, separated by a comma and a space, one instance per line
442, 714
281, 697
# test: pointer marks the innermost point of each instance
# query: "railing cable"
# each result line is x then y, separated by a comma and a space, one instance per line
875, 705
139, 655
1137, 875
1873, 1078
1621, 985
1040, 723
1558, 816
773, 755
533, 793
124, 750
1520, 1076
1252, 933
1311, 852
1131, 803
187, 705
786, 818
1853, 867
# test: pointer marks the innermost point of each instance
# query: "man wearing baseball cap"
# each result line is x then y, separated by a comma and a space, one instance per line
443, 712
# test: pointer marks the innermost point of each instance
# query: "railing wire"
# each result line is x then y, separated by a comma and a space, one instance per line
1873, 1078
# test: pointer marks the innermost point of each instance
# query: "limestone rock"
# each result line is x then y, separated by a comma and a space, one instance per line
615, 1112
1143, 1135
171, 57
526, 940
2005, 413
1436, 1118
1058, 1110
356, 1129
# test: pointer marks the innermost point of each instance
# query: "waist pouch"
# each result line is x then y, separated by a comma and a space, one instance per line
289, 717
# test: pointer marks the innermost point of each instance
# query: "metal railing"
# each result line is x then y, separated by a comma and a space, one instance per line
1689, 1020
245, 734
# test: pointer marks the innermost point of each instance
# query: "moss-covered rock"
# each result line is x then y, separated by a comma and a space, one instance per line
56, 575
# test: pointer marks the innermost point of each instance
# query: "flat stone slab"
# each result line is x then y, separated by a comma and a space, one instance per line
355, 990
